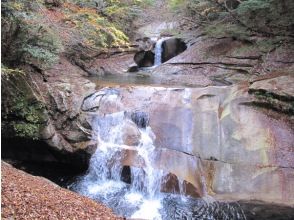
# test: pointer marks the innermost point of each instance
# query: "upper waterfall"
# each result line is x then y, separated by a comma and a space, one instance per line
158, 51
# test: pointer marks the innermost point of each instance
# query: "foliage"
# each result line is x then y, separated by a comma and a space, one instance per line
22, 113
227, 30
121, 13
270, 16
6, 72
266, 17
30, 117
95, 29
25, 39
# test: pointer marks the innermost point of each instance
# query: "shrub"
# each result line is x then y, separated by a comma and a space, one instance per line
25, 39
271, 16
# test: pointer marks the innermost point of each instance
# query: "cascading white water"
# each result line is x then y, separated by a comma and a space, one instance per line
158, 51
142, 197
103, 180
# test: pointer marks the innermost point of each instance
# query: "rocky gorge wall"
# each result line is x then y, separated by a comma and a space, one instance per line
235, 131
242, 151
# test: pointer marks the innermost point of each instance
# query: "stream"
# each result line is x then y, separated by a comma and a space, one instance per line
139, 194
141, 178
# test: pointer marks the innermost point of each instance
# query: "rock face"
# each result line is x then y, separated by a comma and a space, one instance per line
64, 136
145, 43
144, 58
171, 48
216, 139
223, 62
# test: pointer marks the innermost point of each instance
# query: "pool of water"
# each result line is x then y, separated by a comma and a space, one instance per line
124, 79
131, 204
143, 77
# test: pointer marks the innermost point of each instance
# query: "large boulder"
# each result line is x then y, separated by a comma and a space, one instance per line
145, 43
171, 48
144, 58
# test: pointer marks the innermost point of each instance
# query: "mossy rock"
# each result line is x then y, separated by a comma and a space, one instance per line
23, 115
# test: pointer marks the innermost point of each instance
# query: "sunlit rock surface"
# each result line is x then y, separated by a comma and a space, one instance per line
243, 150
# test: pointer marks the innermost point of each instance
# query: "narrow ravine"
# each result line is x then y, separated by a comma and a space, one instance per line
152, 110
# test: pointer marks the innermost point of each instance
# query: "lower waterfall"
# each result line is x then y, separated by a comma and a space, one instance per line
141, 197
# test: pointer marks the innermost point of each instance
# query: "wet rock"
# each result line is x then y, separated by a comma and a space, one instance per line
75, 136
266, 211
115, 64
131, 134
144, 58
133, 69
211, 62
141, 119
171, 48
171, 184
92, 102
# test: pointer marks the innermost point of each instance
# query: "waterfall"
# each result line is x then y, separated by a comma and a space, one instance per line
140, 197
103, 180
158, 51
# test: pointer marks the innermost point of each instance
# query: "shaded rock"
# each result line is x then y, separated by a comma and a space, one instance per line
144, 58
264, 211
171, 48
53, 3
48, 131
39, 152
133, 69
59, 100
59, 142
89, 146
274, 93
92, 102
99, 71
145, 43
280, 85
141, 119
75, 136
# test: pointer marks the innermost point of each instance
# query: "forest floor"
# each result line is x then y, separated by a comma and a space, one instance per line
28, 197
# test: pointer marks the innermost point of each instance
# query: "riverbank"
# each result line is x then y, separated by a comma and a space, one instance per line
28, 197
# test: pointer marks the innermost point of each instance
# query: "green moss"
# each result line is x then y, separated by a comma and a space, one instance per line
26, 130
23, 115
227, 30
275, 102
